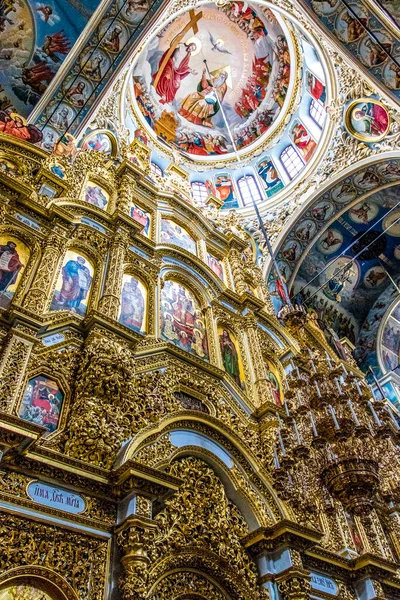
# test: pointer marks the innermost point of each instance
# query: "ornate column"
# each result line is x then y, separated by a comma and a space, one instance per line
262, 387
237, 271
211, 335
37, 297
126, 193
13, 362
134, 537
110, 301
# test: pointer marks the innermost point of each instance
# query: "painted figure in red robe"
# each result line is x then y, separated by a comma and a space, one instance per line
175, 69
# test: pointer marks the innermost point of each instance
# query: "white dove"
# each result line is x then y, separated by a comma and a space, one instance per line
218, 44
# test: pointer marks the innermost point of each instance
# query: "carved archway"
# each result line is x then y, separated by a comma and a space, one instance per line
40, 578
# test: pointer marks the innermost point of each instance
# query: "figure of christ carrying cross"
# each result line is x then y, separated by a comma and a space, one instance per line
174, 63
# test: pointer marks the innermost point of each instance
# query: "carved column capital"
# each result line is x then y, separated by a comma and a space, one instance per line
134, 537
294, 584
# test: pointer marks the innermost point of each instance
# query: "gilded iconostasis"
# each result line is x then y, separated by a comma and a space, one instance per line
199, 300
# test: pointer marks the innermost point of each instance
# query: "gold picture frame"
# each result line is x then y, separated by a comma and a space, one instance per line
370, 124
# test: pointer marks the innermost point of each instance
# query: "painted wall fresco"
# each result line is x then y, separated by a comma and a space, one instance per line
367, 120
35, 39
331, 203
225, 190
101, 142
270, 177
105, 50
366, 351
12, 123
14, 256
269, 171
352, 277
247, 70
133, 311
73, 284
172, 233
366, 35
182, 321
230, 356
42, 403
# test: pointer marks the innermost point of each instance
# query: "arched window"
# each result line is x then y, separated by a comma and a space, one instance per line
248, 189
317, 112
291, 161
199, 191
155, 168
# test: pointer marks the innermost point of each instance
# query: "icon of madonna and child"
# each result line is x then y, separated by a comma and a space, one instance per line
182, 321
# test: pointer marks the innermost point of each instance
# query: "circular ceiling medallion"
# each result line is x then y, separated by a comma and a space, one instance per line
215, 80
367, 120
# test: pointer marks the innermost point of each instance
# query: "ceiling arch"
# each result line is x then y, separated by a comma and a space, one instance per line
340, 254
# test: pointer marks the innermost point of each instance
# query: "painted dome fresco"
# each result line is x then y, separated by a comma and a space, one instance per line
237, 56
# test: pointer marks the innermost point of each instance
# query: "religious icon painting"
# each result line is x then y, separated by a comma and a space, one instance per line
340, 278
323, 211
47, 190
230, 356
142, 217
351, 25
77, 91
330, 241
132, 11
25, 592
367, 120
14, 124
58, 171
182, 320
363, 212
291, 251
315, 87
96, 195
270, 177
73, 285
391, 74
216, 265
392, 223
302, 140
113, 35
62, 117
7, 167
389, 171
306, 230
99, 141
226, 191
42, 402
274, 379
133, 311
375, 49
95, 64
375, 277
14, 257
325, 7
344, 193
172, 233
